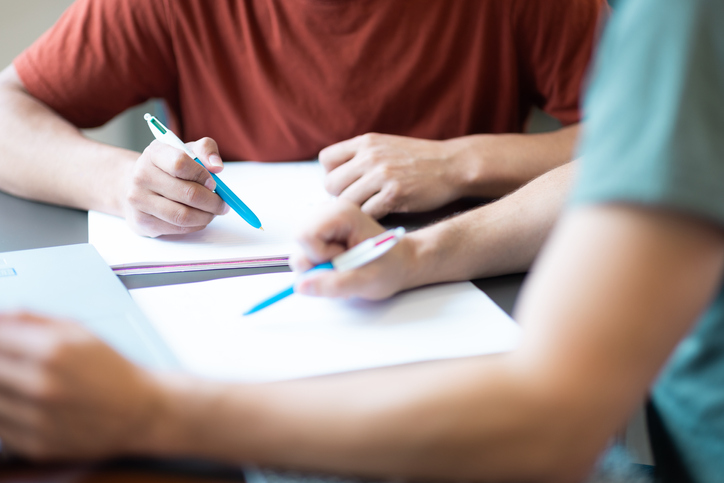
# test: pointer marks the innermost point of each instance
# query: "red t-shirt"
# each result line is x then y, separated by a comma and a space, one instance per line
280, 80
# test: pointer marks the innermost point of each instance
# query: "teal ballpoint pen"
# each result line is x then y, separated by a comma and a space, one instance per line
166, 136
361, 254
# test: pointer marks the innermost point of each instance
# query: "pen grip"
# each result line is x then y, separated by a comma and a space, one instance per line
233, 201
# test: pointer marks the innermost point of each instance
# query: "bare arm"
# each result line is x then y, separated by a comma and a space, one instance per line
46, 158
541, 413
389, 174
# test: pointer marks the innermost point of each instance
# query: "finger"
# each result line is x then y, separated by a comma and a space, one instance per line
23, 317
172, 212
148, 225
337, 180
362, 189
299, 262
330, 284
378, 205
179, 165
207, 151
18, 377
187, 192
17, 412
22, 377
337, 154
23, 340
318, 251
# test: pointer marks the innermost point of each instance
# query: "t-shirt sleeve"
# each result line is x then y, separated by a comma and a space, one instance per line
100, 58
654, 130
555, 44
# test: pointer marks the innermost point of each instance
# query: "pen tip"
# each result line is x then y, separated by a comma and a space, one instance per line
147, 117
261, 228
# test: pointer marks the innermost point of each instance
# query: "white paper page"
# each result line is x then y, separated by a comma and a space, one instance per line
281, 195
306, 336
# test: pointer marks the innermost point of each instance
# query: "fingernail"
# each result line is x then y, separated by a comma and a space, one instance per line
210, 184
215, 160
227, 208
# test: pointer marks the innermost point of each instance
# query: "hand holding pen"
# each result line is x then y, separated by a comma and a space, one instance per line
166, 136
359, 255
335, 229
167, 193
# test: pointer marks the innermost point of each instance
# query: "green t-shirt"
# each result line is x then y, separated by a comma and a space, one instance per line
654, 135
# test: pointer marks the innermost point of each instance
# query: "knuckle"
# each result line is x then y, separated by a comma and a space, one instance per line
191, 194
178, 163
324, 155
42, 390
384, 170
134, 195
377, 160
138, 176
330, 185
51, 354
394, 190
370, 139
181, 216
207, 144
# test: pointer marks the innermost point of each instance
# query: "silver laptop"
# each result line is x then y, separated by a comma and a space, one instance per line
75, 282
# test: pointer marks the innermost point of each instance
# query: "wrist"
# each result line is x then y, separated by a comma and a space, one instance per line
489, 165
120, 184
163, 423
421, 260
464, 160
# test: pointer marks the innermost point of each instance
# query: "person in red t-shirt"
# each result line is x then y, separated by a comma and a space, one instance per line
412, 104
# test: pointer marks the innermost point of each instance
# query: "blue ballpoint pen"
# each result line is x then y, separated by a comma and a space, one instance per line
361, 254
166, 136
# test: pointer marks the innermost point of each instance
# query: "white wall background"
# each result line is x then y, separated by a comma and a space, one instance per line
23, 21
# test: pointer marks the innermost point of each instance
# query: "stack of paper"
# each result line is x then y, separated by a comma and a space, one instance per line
301, 336
281, 194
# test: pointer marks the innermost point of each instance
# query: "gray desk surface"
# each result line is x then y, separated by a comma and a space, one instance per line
26, 224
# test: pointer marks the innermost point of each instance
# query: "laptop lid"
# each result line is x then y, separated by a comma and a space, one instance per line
74, 282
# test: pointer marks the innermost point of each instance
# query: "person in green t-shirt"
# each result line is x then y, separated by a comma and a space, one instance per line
625, 297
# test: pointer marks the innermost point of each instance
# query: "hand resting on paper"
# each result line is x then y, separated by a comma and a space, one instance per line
64, 394
395, 174
168, 193
339, 226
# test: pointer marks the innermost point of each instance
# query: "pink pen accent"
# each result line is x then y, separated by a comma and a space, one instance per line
385, 240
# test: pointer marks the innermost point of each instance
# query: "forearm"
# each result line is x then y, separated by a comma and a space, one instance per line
498, 238
45, 158
492, 165
463, 419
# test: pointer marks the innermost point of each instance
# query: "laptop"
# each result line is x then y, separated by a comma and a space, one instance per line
74, 282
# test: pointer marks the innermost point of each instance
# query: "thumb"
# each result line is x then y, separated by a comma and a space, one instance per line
207, 151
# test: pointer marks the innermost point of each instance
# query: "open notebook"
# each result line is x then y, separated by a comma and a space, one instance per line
281, 194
